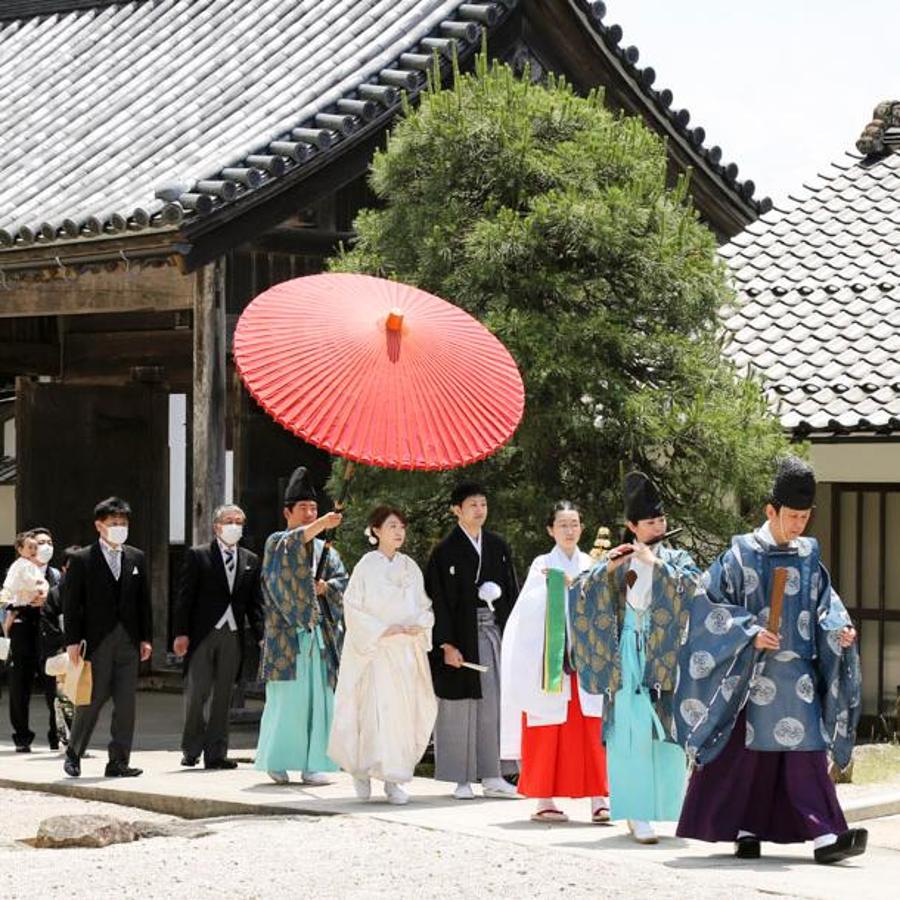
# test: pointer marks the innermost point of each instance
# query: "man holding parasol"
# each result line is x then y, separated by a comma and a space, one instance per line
299, 661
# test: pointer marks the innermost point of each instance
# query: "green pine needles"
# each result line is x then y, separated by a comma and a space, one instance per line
549, 218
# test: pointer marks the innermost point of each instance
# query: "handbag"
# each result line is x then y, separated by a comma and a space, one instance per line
79, 684
56, 665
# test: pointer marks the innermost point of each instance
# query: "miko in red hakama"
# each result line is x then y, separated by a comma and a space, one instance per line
566, 760
555, 734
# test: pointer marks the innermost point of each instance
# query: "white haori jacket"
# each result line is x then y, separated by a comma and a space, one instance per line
522, 658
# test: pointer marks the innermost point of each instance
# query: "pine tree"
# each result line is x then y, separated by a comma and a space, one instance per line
549, 218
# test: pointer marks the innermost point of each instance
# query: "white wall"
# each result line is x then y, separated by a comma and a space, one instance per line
862, 461
8, 446
178, 467
7, 514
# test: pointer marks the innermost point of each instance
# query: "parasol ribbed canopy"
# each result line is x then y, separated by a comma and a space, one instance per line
378, 372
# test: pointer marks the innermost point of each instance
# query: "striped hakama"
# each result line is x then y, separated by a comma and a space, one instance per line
467, 732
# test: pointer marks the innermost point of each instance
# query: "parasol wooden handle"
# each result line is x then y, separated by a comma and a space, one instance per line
340, 503
776, 596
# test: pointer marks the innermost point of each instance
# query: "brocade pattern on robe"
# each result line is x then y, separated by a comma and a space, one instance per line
806, 695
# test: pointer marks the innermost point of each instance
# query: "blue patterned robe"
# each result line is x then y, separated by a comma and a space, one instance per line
806, 695
291, 603
597, 611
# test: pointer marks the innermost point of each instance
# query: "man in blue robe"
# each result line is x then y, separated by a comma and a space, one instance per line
626, 620
299, 659
757, 709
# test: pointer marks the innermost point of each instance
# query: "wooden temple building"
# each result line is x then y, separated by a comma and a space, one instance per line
163, 162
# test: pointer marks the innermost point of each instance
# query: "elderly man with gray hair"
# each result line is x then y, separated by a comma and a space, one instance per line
218, 590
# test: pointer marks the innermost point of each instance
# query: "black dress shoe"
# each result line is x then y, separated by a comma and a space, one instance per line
851, 843
220, 764
72, 765
189, 761
23, 748
121, 770
747, 847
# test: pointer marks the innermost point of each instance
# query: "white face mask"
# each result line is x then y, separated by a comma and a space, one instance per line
231, 533
44, 553
117, 534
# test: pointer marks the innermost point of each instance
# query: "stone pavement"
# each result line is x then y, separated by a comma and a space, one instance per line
195, 793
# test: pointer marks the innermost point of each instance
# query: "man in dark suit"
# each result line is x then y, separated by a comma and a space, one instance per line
219, 589
106, 604
472, 584
26, 659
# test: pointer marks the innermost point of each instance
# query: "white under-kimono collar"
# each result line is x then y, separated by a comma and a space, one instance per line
764, 536
475, 542
640, 594
573, 566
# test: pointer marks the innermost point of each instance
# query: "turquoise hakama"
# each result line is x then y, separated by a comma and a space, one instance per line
296, 721
296, 664
646, 773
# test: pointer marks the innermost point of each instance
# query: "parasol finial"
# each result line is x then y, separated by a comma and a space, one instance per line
394, 320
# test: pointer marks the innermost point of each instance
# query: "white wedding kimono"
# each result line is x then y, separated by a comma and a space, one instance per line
522, 658
384, 704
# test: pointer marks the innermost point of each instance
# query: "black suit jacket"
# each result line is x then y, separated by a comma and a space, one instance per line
452, 579
93, 602
203, 594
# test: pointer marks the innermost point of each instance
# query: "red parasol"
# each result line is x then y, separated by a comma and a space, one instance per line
378, 372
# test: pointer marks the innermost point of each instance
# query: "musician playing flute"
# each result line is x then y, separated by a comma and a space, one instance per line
626, 616
769, 683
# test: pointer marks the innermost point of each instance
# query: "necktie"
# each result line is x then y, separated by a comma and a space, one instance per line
115, 563
229, 564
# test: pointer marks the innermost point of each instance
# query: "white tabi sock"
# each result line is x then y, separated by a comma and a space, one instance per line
743, 834
824, 840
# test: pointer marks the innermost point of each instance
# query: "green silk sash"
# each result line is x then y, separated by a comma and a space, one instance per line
554, 632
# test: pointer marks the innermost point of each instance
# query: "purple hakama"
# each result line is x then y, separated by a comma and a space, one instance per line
784, 797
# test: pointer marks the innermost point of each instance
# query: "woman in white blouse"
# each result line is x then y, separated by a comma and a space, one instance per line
384, 704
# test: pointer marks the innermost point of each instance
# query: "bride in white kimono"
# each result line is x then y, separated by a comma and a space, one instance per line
384, 703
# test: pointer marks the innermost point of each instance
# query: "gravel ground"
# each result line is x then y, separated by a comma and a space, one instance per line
252, 857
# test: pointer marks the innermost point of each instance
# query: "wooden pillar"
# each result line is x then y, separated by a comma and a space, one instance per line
208, 399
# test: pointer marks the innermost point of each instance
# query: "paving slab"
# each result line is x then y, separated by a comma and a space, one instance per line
166, 787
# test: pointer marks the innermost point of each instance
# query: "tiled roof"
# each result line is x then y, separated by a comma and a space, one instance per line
120, 117
819, 292
662, 99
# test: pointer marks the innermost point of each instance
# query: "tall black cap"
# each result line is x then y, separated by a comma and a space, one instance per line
794, 485
642, 500
299, 488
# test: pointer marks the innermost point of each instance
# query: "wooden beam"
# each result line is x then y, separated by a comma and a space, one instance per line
208, 398
158, 289
114, 352
28, 358
300, 241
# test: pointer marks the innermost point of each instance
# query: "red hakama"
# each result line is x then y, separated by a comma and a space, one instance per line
567, 760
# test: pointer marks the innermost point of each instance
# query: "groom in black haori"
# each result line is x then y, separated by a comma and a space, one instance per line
472, 584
